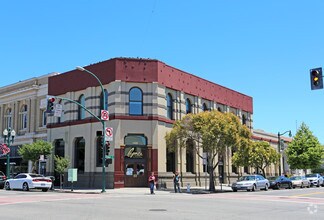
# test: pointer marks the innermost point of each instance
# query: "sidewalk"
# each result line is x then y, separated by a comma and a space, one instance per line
144, 190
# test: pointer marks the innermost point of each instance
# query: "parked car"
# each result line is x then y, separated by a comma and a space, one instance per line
315, 179
300, 181
251, 182
2, 179
26, 181
277, 182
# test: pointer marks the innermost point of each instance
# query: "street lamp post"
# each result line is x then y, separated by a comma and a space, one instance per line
280, 134
103, 129
9, 135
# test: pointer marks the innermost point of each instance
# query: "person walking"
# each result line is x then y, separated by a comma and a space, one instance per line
176, 182
152, 182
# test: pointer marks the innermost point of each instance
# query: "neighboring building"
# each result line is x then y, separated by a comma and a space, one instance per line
22, 108
144, 98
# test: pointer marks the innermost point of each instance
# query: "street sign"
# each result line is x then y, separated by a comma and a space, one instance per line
58, 108
109, 156
72, 175
109, 134
104, 115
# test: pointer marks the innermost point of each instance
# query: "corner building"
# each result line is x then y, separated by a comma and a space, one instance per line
144, 98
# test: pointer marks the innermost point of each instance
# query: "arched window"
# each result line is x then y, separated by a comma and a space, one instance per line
81, 111
188, 106
23, 117
169, 106
204, 107
79, 154
8, 118
219, 109
102, 107
135, 101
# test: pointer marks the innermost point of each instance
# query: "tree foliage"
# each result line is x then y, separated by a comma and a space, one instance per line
34, 150
61, 164
258, 154
213, 132
305, 151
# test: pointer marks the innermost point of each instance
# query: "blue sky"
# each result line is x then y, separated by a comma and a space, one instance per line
263, 49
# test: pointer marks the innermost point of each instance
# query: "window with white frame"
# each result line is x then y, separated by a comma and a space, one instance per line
8, 118
23, 115
44, 118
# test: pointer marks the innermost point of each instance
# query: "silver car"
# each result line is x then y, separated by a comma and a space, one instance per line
251, 182
315, 179
300, 181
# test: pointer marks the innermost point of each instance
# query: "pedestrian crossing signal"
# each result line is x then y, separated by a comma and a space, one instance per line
316, 78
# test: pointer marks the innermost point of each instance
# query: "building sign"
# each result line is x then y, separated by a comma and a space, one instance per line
134, 152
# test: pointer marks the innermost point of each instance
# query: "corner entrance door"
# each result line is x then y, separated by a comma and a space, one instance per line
135, 174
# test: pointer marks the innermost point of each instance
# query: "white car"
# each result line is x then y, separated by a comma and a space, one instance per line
251, 182
300, 181
26, 181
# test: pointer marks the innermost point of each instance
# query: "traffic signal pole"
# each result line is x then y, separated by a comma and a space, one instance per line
104, 107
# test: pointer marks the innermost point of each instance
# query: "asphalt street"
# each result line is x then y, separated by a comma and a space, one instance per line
137, 203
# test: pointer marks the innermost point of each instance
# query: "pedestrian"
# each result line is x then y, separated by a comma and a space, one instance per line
176, 182
152, 182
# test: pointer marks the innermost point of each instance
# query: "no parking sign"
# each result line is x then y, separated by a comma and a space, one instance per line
104, 115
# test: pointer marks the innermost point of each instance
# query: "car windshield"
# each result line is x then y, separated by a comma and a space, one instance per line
311, 175
295, 178
247, 178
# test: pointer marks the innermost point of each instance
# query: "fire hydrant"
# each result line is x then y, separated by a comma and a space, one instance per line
188, 188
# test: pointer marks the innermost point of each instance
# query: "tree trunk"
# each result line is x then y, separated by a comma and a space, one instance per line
60, 181
211, 179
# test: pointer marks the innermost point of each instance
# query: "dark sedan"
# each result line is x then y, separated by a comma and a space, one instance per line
277, 182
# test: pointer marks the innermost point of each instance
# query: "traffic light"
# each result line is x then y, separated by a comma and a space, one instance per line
50, 105
316, 78
282, 144
107, 147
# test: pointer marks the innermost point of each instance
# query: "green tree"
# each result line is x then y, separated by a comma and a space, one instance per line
305, 151
258, 154
34, 150
61, 164
213, 132
263, 155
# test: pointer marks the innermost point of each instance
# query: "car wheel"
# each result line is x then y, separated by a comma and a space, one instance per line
45, 190
266, 187
7, 186
253, 188
25, 187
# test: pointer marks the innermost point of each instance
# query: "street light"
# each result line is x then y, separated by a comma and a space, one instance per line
103, 129
279, 141
9, 136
